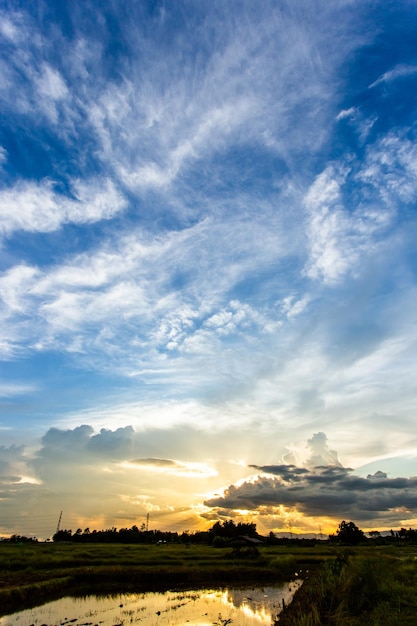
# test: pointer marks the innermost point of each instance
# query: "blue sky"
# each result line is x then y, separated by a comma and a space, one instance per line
208, 264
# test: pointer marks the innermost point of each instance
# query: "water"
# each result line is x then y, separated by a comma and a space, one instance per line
244, 606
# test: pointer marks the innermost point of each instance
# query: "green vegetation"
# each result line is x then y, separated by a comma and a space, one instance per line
349, 580
31, 573
375, 587
224, 530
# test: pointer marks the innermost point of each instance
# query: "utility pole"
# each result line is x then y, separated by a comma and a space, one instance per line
147, 522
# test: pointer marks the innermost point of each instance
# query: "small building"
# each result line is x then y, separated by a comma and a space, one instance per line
243, 545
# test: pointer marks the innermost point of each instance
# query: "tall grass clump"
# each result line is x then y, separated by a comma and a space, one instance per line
285, 565
352, 591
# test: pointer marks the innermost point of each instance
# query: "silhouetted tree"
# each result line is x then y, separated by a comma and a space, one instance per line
229, 530
62, 535
348, 534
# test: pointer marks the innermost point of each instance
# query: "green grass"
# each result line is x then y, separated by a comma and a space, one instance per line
33, 573
354, 587
357, 587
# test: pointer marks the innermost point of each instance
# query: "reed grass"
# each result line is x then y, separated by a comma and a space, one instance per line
358, 588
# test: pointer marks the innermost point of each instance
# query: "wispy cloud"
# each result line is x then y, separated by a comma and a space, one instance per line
399, 71
206, 218
8, 390
340, 236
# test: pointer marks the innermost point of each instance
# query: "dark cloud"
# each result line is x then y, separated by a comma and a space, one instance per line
82, 443
113, 444
377, 476
286, 472
165, 463
12, 462
58, 442
324, 491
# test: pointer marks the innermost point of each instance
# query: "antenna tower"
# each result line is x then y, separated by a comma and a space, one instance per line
59, 522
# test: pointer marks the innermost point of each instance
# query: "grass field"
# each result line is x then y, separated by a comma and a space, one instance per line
359, 587
354, 587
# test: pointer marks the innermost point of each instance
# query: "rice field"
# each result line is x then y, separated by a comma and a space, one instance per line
342, 587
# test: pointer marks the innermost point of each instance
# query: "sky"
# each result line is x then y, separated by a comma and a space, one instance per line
208, 264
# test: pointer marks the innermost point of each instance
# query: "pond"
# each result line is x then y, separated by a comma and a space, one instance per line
242, 606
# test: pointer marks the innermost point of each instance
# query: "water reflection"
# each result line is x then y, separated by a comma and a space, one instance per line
249, 606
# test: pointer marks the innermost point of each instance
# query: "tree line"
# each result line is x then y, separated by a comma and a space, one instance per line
221, 533
225, 530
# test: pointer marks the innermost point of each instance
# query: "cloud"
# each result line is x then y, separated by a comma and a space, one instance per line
11, 26
91, 475
158, 463
37, 207
15, 474
10, 389
315, 452
346, 113
340, 238
399, 71
60, 444
207, 234
113, 444
390, 169
11, 459
133, 280
325, 491
173, 468
81, 443
51, 84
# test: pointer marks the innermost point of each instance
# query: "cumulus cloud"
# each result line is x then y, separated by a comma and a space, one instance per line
11, 460
325, 491
321, 487
82, 443
98, 477
315, 452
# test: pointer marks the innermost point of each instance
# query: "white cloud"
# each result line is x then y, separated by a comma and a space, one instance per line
14, 286
3, 156
292, 307
50, 84
347, 113
37, 207
399, 71
12, 26
331, 253
8, 390
343, 230
390, 168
